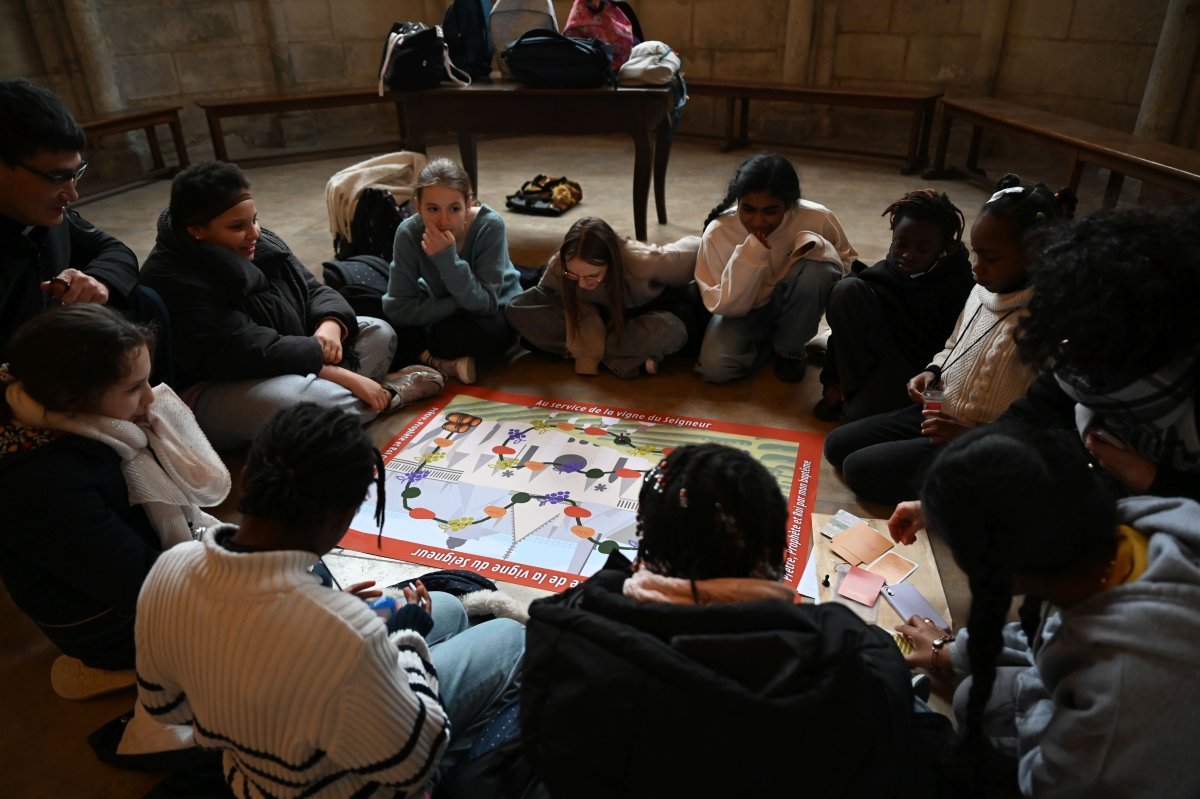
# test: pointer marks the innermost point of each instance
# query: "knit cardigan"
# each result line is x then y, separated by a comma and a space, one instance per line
301, 686
981, 372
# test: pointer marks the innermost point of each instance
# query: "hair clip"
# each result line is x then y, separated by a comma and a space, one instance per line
6, 376
657, 477
683, 497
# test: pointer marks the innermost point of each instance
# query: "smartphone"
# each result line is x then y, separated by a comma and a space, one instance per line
909, 602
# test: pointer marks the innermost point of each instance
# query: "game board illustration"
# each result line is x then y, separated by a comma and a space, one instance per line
540, 492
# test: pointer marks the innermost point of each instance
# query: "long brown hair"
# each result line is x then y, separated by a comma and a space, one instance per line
592, 240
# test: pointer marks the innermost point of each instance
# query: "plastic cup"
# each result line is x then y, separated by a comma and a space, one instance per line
933, 399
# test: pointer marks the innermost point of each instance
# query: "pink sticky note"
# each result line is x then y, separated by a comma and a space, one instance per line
861, 586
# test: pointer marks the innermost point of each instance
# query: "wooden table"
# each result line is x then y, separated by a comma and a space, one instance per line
920, 104
500, 106
1082, 142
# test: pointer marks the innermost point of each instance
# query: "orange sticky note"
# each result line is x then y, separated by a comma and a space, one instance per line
859, 544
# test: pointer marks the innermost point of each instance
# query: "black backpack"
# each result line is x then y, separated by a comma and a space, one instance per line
465, 27
414, 57
545, 59
362, 280
373, 228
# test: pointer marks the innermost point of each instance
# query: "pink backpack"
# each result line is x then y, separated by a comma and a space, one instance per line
601, 19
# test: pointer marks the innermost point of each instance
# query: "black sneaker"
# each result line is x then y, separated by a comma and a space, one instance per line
790, 370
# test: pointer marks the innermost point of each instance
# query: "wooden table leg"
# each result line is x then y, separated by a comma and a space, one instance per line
744, 124
156, 156
914, 161
662, 156
643, 155
1074, 172
938, 171
730, 142
466, 149
180, 145
973, 149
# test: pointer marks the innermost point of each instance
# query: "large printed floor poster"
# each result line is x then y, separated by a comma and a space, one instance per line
539, 492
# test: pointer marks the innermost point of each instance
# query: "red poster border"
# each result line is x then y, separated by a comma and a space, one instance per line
804, 488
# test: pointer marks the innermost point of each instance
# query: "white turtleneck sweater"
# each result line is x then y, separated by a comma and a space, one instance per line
301, 686
981, 373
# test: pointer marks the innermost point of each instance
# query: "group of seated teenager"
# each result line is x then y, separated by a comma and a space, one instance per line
1059, 463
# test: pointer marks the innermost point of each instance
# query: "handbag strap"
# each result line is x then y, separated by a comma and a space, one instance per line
451, 69
394, 40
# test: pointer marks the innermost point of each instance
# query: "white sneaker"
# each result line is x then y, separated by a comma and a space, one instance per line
412, 383
462, 369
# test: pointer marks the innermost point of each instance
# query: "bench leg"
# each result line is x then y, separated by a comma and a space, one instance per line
1112, 189
1074, 172
470, 161
938, 171
218, 137
730, 142
180, 145
744, 124
915, 160
973, 150
662, 156
156, 156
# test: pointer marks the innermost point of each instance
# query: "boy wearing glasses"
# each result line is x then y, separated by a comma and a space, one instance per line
48, 253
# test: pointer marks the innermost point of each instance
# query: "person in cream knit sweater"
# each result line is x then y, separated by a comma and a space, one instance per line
979, 371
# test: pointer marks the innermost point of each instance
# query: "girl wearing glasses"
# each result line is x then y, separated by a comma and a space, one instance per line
450, 277
606, 300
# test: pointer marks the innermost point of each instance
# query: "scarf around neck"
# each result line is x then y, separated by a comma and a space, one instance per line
1154, 414
645, 586
168, 465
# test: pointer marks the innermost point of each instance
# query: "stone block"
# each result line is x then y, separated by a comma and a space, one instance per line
698, 64
145, 76
1139, 74
212, 71
19, 53
1040, 19
866, 55
362, 61
1119, 21
1091, 70
864, 16
250, 20
307, 19
749, 65
925, 16
941, 59
314, 62
667, 21
365, 19
1111, 114
149, 29
1027, 65
971, 21
738, 25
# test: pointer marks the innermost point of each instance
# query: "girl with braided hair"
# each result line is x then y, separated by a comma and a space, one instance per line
889, 320
306, 690
766, 263
882, 456
1094, 692
697, 664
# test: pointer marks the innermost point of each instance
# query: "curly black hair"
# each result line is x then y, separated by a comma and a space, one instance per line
308, 461
203, 186
930, 206
1115, 293
709, 511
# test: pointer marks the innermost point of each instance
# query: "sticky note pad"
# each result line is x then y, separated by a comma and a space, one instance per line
859, 544
861, 586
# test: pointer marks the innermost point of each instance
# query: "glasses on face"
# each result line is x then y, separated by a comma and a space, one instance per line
58, 178
590, 281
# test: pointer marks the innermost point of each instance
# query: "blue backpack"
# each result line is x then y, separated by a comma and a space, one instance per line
465, 27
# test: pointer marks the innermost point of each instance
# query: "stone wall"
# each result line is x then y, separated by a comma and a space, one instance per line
1083, 58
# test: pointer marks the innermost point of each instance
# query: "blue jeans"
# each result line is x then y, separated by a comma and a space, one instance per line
475, 665
734, 346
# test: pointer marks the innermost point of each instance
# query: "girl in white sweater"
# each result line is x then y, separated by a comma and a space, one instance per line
767, 262
883, 456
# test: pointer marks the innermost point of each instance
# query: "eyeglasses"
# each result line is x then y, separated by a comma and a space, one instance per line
59, 178
584, 280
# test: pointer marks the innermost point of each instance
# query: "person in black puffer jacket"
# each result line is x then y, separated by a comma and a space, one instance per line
254, 331
695, 674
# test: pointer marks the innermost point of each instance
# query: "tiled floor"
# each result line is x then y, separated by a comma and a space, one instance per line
43, 735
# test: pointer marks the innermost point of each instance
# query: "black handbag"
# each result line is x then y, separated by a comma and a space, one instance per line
546, 59
414, 57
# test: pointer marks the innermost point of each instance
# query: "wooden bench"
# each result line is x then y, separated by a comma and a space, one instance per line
216, 111
148, 120
920, 104
1083, 143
